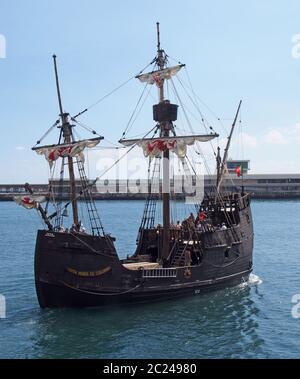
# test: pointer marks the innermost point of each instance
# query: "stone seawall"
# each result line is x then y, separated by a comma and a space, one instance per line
143, 196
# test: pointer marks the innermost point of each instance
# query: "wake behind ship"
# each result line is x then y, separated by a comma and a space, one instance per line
210, 248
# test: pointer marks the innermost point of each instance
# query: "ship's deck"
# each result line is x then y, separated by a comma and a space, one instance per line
140, 265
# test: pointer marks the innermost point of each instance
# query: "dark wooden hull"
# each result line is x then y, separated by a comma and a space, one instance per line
56, 296
85, 271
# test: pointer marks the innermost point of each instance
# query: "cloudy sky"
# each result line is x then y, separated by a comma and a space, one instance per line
233, 50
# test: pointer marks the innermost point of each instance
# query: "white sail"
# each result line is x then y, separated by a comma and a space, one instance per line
158, 76
29, 201
53, 152
153, 147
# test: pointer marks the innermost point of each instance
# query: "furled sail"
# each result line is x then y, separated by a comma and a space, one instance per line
153, 147
158, 76
29, 201
53, 152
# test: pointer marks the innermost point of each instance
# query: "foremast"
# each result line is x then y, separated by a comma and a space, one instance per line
66, 128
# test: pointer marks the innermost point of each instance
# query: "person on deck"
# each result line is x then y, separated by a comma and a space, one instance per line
158, 228
82, 229
223, 227
202, 216
73, 229
191, 219
178, 228
187, 257
200, 226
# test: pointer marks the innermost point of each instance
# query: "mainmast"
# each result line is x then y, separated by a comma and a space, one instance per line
165, 126
67, 134
164, 114
221, 171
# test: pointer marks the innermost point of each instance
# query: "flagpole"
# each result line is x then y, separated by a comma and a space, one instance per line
242, 181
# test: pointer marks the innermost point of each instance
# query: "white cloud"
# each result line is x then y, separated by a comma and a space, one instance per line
283, 136
275, 137
248, 140
20, 148
275, 166
294, 133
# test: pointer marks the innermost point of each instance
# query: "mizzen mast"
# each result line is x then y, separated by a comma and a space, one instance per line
221, 170
66, 128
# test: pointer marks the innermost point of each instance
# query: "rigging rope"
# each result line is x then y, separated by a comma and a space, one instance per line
109, 168
84, 126
111, 92
202, 116
47, 132
102, 98
128, 126
139, 110
218, 196
201, 101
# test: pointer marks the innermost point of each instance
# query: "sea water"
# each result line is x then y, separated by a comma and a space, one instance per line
256, 319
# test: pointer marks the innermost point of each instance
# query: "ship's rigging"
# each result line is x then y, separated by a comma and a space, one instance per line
156, 147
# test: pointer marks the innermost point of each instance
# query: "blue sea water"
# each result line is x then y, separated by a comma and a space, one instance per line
252, 320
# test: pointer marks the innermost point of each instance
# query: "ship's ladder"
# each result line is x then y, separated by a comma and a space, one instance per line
95, 222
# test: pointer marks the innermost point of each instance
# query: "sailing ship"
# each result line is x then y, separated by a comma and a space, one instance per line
75, 267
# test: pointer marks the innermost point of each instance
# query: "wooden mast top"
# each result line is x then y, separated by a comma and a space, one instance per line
158, 37
160, 63
68, 137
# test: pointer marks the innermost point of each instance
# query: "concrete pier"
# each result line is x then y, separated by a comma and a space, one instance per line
262, 186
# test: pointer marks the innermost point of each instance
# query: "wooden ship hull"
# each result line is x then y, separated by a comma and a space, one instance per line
85, 271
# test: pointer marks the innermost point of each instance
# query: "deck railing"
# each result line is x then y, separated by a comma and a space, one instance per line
159, 273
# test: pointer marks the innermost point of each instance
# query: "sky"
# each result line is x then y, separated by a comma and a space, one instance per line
232, 50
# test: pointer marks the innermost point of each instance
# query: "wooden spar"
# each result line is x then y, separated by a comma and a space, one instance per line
198, 137
164, 132
223, 164
66, 144
57, 88
43, 213
67, 133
